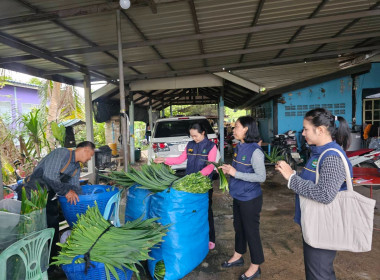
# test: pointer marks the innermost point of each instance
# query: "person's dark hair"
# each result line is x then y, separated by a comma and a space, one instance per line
86, 144
321, 116
198, 127
252, 134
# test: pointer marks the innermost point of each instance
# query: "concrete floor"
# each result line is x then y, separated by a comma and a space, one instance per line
281, 239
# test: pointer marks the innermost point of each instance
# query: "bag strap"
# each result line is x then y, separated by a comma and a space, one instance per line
348, 173
68, 162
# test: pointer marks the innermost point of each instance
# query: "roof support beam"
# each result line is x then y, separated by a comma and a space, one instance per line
254, 22
278, 91
34, 50
239, 81
40, 73
197, 29
236, 91
241, 51
142, 35
301, 28
196, 102
346, 27
144, 95
255, 64
71, 30
21, 58
173, 95
104, 91
167, 94
79, 11
161, 104
257, 28
205, 80
158, 99
110, 6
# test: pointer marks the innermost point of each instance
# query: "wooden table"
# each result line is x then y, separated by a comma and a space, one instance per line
119, 160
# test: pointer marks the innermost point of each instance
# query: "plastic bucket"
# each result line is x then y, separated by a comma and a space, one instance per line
137, 154
91, 193
97, 271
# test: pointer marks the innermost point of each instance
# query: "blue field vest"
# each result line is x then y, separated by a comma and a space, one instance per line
239, 189
309, 170
197, 155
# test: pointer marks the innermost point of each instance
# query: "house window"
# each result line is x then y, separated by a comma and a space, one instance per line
6, 112
27, 107
301, 110
5, 108
371, 111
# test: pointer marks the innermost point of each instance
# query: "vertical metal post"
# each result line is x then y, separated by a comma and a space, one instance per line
1, 182
123, 116
221, 125
151, 129
16, 103
89, 120
17, 114
132, 127
171, 110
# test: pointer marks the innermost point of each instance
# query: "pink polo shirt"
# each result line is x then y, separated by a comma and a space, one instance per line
205, 171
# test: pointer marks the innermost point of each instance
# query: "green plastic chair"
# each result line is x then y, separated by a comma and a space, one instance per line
28, 253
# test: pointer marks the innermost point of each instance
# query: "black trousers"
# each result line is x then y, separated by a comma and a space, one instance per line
246, 223
211, 217
52, 219
319, 263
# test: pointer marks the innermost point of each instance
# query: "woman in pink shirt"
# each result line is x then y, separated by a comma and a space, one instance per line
197, 153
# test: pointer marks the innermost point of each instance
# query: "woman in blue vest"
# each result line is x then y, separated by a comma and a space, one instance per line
197, 153
321, 132
246, 173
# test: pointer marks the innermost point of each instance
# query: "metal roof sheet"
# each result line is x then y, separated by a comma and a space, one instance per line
263, 41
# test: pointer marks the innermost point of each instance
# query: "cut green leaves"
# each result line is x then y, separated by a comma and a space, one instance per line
119, 247
119, 178
223, 182
159, 270
155, 177
193, 183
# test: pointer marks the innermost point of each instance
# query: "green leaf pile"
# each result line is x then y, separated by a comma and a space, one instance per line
155, 177
193, 183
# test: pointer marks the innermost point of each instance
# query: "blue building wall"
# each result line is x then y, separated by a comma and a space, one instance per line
266, 121
334, 95
369, 80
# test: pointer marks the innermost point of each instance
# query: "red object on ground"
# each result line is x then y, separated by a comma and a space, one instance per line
358, 152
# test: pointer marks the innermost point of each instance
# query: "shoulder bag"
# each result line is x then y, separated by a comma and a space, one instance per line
345, 224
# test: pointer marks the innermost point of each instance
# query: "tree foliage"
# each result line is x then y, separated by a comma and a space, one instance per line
230, 115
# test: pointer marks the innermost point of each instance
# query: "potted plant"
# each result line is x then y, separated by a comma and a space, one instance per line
274, 156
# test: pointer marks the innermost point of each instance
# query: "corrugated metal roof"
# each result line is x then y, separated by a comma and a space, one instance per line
72, 122
263, 41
